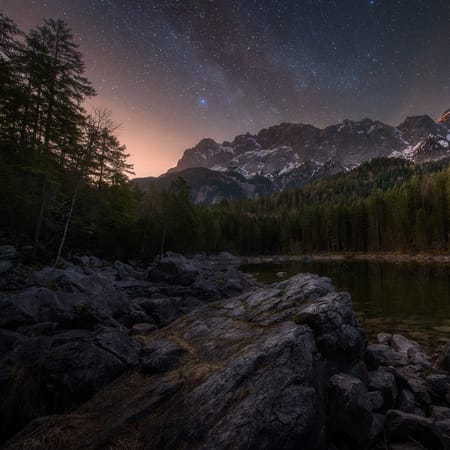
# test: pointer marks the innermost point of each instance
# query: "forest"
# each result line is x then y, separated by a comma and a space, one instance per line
65, 189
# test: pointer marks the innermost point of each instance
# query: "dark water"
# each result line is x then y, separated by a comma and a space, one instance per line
409, 299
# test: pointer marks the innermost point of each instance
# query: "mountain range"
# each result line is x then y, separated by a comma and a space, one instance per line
289, 156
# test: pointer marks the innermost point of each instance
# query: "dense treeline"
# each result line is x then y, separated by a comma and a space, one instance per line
60, 166
384, 205
405, 208
63, 181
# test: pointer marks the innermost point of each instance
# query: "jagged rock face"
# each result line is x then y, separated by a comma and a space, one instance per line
291, 155
248, 372
445, 118
416, 128
205, 153
69, 332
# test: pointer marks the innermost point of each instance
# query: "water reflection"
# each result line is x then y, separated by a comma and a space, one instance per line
410, 299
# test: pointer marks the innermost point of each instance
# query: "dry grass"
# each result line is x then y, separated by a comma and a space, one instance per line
56, 433
129, 442
25, 397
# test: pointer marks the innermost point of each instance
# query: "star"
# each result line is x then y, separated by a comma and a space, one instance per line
203, 102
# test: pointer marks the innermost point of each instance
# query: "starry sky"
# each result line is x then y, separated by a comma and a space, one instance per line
174, 71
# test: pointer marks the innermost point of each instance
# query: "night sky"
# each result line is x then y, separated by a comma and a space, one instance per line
174, 72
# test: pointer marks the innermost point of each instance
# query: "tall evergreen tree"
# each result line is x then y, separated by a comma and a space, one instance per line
10, 79
56, 89
107, 157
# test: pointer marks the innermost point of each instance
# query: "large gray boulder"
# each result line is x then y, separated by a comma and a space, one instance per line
249, 372
175, 269
444, 360
383, 381
411, 349
205, 280
413, 429
30, 306
383, 355
125, 272
350, 410
84, 296
438, 386
52, 374
81, 309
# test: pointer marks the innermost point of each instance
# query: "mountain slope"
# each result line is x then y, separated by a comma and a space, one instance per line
288, 156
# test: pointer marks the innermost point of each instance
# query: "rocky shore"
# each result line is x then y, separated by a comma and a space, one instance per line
187, 353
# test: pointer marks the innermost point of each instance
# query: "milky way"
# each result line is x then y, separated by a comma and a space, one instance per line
176, 71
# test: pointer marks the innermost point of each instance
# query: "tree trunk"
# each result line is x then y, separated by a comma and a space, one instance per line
51, 97
163, 237
37, 233
66, 226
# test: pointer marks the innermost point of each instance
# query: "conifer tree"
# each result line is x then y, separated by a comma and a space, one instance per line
10, 81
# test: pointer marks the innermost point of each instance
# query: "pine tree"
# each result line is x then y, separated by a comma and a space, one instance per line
10, 81
104, 158
56, 89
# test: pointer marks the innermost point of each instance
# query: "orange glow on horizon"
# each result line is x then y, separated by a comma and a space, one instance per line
152, 148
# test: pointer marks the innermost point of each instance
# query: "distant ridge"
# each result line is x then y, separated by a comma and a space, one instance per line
290, 155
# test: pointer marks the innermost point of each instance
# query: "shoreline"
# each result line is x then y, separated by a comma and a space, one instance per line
389, 257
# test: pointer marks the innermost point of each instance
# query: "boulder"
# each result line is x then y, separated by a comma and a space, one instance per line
410, 428
85, 299
444, 360
205, 283
383, 355
384, 338
350, 411
125, 272
406, 401
233, 283
419, 358
444, 429
417, 386
175, 269
30, 306
402, 344
438, 386
48, 375
439, 412
162, 310
90, 261
411, 349
378, 425
338, 336
74, 280
376, 400
383, 381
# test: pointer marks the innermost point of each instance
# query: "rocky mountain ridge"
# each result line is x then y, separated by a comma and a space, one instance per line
288, 156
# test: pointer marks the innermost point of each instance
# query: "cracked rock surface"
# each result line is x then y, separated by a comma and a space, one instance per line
248, 372
95, 361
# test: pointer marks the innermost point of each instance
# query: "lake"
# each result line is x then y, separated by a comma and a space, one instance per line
409, 299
